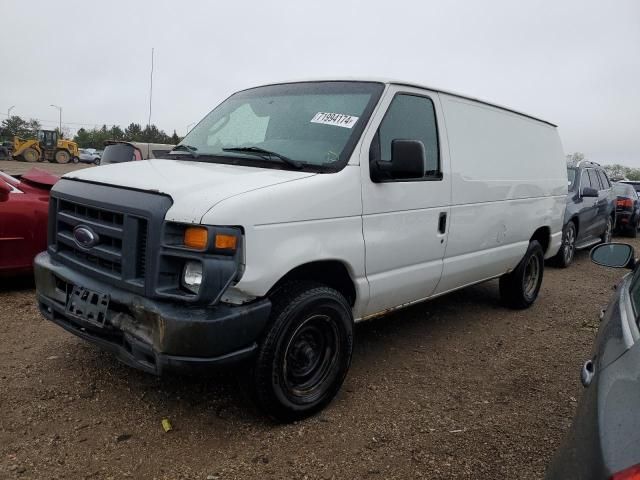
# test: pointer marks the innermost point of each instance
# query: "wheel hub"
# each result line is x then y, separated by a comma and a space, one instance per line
304, 355
310, 357
531, 276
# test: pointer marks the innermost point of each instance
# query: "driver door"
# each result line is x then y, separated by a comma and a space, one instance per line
405, 222
588, 209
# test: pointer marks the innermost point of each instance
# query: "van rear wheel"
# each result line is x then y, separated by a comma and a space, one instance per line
306, 352
520, 288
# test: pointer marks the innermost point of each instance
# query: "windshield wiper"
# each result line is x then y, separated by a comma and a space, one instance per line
188, 148
264, 153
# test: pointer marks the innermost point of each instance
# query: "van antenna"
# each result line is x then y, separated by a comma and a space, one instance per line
150, 97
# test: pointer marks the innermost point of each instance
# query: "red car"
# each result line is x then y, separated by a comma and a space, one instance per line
24, 207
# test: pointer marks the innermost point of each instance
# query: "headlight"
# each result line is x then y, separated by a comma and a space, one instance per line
192, 276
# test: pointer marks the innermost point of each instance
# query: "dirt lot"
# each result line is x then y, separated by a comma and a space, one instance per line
456, 388
13, 167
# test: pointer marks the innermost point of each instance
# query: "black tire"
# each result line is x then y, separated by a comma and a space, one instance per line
75, 159
30, 155
520, 288
567, 251
305, 353
606, 235
62, 156
96, 161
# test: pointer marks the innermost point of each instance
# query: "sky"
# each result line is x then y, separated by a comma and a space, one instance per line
575, 63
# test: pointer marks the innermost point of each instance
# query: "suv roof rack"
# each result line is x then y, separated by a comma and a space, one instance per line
587, 161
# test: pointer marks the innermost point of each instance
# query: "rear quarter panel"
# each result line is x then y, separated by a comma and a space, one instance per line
508, 179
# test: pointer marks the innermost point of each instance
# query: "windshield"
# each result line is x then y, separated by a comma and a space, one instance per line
315, 124
571, 175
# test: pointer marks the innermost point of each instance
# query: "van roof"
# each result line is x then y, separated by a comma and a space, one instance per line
388, 81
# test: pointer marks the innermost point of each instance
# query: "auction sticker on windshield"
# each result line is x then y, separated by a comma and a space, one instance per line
337, 119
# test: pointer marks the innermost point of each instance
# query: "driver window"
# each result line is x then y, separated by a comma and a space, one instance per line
410, 117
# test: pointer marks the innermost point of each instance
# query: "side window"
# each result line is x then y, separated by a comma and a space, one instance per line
595, 183
603, 179
584, 181
411, 117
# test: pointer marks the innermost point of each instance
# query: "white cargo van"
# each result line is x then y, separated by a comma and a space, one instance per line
291, 211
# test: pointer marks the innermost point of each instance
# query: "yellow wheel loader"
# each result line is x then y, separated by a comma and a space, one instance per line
26, 150
47, 147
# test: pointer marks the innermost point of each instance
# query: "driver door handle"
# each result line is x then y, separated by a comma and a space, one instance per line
442, 223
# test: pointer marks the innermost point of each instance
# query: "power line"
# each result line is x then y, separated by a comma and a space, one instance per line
85, 124
88, 124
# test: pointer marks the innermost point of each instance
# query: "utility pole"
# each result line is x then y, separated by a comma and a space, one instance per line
150, 89
60, 112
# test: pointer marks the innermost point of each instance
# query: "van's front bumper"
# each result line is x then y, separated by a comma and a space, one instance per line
153, 336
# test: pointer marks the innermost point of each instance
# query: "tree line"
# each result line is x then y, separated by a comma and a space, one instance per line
17, 126
89, 138
96, 137
615, 172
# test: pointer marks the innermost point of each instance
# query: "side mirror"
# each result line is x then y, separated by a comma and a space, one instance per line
589, 192
5, 189
616, 255
408, 160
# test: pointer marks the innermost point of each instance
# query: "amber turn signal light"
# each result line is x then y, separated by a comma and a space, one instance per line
196, 237
226, 242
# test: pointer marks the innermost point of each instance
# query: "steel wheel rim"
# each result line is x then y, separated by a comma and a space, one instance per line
569, 245
309, 359
531, 276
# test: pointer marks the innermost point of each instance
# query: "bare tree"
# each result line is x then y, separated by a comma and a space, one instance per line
574, 158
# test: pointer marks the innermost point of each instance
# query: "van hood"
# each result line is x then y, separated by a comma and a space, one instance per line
195, 187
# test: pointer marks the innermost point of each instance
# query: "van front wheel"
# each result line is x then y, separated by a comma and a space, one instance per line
520, 288
306, 352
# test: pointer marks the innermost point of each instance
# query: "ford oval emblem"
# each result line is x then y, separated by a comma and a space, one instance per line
85, 237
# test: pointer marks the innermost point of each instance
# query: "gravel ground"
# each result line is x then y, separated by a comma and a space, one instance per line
14, 167
454, 388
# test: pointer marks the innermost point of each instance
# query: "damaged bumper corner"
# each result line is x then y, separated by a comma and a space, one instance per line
151, 335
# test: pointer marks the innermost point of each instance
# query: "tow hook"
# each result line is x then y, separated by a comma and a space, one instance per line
586, 375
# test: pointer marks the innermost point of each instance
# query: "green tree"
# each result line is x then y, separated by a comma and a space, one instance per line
95, 138
152, 134
83, 138
116, 133
133, 132
16, 126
